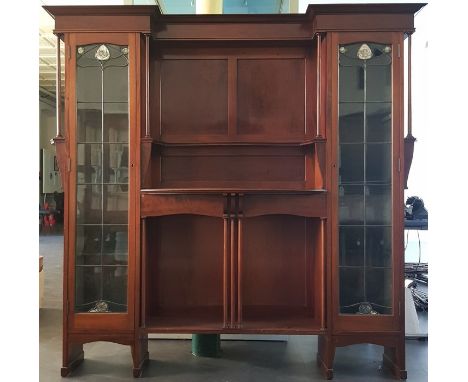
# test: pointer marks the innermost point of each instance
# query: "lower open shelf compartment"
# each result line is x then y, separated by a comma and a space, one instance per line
190, 287
257, 319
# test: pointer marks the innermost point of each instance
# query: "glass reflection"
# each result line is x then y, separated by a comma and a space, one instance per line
351, 123
351, 205
378, 163
351, 163
351, 246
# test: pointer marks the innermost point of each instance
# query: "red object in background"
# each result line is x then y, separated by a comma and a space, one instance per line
52, 220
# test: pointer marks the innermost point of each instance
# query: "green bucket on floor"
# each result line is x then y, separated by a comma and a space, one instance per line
206, 345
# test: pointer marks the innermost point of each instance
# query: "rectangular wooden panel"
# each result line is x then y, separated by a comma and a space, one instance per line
153, 204
193, 95
312, 205
275, 260
271, 97
185, 262
222, 168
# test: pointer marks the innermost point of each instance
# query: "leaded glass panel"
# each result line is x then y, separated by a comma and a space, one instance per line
365, 178
101, 248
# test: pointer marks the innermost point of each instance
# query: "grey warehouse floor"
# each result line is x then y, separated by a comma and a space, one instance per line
171, 360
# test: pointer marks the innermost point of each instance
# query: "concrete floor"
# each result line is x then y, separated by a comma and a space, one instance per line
171, 360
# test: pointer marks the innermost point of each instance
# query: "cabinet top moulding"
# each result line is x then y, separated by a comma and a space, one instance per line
317, 18
249, 142
227, 190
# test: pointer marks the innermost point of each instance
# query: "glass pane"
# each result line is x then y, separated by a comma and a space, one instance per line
351, 245
379, 122
115, 204
379, 246
351, 84
115, 287
379, 289
365, 178
88, 79
115, 163
101, 247
116, 122
88, 204
379, 83
351, 205
89, 159
88, 244
87, 287
351, 163
378, 163
378, 205
351, 123
89, 120
115, 245
116, 81
351, 289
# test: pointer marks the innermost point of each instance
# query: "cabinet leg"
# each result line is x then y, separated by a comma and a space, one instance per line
140, 355
73, 355
325, 355
394, 359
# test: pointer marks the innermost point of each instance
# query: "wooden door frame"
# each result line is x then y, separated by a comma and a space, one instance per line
342, 323
83, 322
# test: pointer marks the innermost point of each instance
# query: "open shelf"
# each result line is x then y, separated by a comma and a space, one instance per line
185, 319
238, 164
184, 276
281, 273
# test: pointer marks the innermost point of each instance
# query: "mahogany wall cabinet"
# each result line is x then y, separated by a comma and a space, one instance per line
233, 174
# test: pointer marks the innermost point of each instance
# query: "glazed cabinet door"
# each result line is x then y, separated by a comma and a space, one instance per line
368, 189
102, 246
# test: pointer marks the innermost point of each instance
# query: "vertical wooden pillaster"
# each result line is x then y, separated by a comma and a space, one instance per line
410, 110
233, 240
319, 85
232, 265
147, 85
227, 260
59, 140
239, 259
147, 140
323, 313
58, 89
143, 270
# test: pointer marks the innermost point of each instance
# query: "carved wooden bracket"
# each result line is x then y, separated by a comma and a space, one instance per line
63, 159
146, 149
319, 163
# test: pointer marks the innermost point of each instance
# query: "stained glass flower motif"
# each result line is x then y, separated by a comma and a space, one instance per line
364, 52
102, 53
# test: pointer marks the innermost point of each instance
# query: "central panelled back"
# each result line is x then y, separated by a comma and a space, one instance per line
234, 97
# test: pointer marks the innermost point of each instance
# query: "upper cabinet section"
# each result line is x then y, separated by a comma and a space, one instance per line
232, 94
276, 27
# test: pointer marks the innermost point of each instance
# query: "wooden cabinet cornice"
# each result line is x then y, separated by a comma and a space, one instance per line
233, 174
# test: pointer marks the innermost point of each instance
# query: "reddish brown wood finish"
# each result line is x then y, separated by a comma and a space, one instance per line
233, 198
